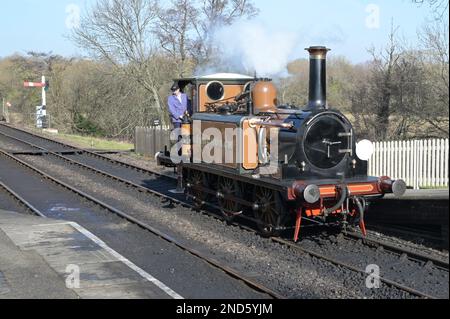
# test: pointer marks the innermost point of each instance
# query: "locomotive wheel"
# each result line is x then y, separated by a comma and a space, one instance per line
197, 179
268, 211
229, 208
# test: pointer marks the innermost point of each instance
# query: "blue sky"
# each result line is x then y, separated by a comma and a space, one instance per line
349, 27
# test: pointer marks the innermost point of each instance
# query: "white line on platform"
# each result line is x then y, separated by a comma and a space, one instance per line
121, 258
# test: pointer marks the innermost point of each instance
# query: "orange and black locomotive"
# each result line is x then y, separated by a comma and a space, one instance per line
244, 154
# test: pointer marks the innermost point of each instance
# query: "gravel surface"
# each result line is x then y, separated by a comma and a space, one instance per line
8, 203
51, 145
285, 270
426, 278
418, 245
145, 163
184, 273
414, 243
7, 144
186, 225
413, 246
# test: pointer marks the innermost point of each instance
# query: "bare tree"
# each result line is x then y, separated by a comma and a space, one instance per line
380, 93
186, 27
141, 37
405, 92
174, 30
422, 84
120, 32
440, 7
435, 65
382, 83
215, 14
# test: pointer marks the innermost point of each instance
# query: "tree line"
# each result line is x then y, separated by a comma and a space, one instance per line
137, 47
401, 93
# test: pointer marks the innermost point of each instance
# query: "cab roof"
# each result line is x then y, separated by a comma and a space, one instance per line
218, 76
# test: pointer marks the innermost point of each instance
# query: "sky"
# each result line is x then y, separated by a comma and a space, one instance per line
348, 27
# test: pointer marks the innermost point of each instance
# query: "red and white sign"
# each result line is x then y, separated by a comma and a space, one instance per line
33, 84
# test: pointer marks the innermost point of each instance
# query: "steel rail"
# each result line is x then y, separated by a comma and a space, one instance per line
120, 179
312, 253
99, 171
412, 255
403, 230
21, 200
89, 152
213, 262
356, 269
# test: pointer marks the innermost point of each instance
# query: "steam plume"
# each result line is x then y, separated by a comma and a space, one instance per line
248, 47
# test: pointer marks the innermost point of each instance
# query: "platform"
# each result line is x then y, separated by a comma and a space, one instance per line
39, 256
427, 194
416, 209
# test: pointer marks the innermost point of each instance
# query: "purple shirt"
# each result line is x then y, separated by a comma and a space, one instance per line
177, 108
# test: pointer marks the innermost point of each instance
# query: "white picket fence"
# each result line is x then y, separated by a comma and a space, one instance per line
420, 163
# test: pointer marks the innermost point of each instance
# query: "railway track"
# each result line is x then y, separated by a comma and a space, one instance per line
337, 262
164, 183
22, 202
400, 251
160, 189
191, 250
60, 147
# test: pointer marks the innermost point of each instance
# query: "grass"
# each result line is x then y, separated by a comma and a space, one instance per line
94, 142
97, 143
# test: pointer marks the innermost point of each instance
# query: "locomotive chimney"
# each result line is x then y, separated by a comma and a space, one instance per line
317, 77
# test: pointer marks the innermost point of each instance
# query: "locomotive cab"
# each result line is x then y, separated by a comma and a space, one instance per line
209, 93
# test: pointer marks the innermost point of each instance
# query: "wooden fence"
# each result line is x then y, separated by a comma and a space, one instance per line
421, 163
150, 140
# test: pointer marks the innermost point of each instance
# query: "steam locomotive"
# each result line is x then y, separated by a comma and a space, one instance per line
274, 164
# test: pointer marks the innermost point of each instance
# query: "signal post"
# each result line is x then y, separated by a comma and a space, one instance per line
41, 111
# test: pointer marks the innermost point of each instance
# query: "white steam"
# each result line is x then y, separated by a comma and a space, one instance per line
247, 47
